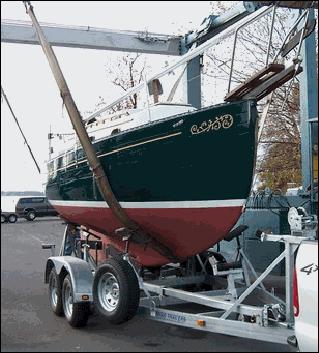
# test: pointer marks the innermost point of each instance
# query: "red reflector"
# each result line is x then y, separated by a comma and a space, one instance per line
295, 294
201, 323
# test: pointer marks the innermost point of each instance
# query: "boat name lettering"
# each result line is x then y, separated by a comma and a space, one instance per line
169, 317
221, 122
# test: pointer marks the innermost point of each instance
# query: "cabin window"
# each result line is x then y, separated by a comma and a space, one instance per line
80, 154
91, 121
70, 157
115, 131
61, 162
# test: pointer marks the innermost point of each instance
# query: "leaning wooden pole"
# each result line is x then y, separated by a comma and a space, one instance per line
138, 235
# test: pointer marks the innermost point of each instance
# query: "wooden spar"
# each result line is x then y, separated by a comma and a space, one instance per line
137, 234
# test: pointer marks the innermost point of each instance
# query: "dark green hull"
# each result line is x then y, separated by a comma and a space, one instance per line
200, 161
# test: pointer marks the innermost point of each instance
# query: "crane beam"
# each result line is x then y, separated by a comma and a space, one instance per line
91, 38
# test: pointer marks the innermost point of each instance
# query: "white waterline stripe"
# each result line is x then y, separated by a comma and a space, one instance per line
154, 204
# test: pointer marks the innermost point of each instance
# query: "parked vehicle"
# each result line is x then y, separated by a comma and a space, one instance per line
10, 217
32, 207
306, 297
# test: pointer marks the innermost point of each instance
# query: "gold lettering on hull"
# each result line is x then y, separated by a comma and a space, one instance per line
221, 122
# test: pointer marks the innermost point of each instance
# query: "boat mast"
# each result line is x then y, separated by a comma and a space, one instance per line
132, 229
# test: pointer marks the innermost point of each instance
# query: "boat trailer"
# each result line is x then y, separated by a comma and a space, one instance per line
207, 293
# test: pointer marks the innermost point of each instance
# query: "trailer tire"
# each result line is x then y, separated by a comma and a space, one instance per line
55, 293
76, 314
3, 219
12, 218
116, 291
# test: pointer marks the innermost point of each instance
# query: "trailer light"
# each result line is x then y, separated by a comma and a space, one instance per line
201, 323
85, 297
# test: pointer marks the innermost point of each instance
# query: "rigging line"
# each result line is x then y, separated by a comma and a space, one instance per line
17, 122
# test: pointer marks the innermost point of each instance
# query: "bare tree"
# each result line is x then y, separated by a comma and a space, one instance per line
127, 72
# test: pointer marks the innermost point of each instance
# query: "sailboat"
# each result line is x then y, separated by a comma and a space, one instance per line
176, 177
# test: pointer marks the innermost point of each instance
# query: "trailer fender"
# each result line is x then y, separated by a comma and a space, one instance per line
80, 273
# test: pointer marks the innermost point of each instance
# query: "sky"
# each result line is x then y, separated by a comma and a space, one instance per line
30, 87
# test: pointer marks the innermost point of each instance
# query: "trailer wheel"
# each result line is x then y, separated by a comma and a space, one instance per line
77, 314
3, 219
12, 218
55, 294
116, 291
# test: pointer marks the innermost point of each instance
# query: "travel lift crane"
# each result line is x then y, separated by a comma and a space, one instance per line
270, 322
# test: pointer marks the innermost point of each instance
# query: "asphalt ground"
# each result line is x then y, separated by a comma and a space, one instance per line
27, 323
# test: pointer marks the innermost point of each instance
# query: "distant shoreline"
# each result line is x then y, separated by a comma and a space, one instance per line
22, 193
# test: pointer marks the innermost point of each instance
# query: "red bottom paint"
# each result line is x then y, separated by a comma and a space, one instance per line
186, 231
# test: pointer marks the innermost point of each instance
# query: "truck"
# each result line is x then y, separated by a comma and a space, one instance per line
32, 207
